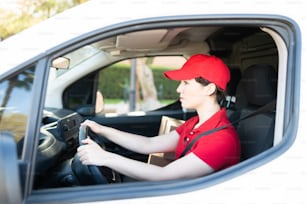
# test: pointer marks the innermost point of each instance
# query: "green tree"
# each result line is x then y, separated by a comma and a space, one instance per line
31, 12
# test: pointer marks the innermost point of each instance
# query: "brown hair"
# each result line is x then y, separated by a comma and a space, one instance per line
219, 92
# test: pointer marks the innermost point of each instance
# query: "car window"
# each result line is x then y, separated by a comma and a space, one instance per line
116, 81
15, 95
77, 57
130, 85
138, 84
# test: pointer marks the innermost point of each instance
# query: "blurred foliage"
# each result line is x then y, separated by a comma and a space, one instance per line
119, 77
31, 12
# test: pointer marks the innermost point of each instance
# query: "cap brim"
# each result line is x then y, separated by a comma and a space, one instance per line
179, 75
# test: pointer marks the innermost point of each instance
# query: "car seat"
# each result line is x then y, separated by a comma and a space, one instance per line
230, 97
257, 87
231, 88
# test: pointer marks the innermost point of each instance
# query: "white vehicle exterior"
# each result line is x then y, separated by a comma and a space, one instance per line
280, 180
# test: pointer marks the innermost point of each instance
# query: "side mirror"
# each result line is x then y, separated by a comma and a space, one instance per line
88, 110
10, 188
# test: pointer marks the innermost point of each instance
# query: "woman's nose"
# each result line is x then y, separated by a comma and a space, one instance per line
179, 88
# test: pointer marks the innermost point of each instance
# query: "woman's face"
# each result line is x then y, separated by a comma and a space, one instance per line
192, 93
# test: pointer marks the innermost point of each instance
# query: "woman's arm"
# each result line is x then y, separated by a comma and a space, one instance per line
134, 142
189, 166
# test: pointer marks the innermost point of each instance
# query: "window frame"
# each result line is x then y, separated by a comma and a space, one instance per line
288, 31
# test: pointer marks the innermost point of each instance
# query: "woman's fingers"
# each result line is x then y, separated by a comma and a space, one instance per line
91, 124
90, 153
87, 140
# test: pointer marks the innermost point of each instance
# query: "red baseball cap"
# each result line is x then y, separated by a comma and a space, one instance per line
208, 67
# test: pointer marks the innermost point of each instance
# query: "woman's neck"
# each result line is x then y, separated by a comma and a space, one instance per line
207, 111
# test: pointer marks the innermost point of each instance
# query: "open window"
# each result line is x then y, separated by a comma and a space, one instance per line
241, 43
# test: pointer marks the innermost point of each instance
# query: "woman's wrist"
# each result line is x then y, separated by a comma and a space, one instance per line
108, 158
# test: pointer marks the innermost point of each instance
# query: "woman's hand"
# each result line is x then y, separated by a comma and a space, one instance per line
95, 127
91, 153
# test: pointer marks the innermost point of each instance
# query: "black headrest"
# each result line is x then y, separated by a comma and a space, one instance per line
258, 86
233, 83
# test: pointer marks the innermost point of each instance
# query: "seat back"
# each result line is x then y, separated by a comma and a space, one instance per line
232, 87
230, 98
256, 88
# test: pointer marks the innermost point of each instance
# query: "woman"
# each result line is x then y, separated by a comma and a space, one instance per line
203, 80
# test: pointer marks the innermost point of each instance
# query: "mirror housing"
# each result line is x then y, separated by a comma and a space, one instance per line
88, 110
10, 188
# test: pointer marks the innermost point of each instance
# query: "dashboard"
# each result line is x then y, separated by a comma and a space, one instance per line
58, 143
58, 137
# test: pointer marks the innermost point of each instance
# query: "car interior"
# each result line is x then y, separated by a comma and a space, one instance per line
249, 52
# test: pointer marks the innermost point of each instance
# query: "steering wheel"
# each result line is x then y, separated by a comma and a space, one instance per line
90, 174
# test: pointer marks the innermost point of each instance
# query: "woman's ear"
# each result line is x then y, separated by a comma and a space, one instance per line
211, 89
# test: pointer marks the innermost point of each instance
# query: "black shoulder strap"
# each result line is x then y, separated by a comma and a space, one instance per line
266, 108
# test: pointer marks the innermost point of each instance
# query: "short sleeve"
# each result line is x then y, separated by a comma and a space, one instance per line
218, 150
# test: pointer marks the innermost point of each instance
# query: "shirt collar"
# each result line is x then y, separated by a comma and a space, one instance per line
213, 122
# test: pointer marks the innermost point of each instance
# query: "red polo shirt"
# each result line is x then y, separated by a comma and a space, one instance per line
219, 150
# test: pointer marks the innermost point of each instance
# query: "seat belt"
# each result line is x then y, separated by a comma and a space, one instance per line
265, 108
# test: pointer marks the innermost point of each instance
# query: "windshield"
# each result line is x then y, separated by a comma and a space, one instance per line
78, 56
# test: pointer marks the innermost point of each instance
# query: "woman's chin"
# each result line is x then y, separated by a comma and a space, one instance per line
184, 105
